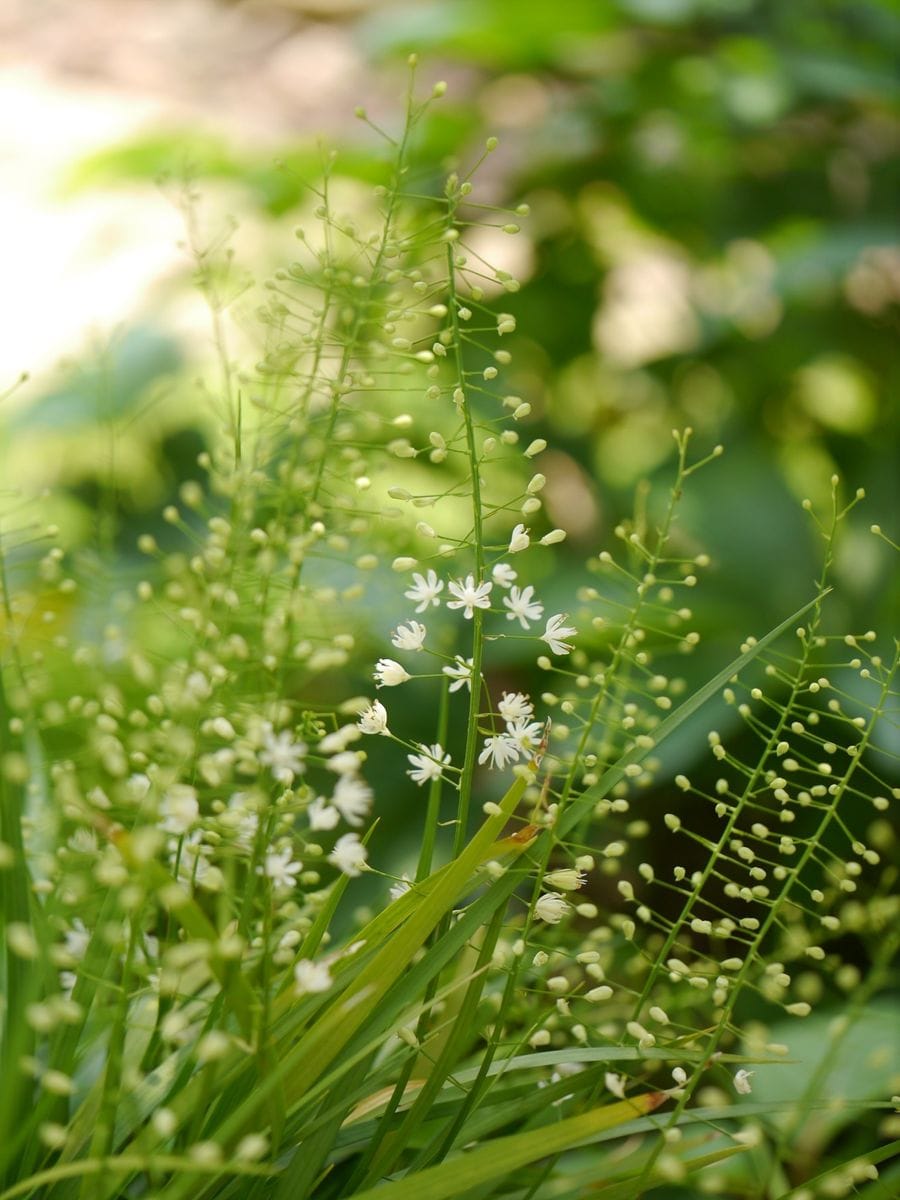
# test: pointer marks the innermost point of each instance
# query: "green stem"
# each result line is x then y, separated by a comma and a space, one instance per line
468, 768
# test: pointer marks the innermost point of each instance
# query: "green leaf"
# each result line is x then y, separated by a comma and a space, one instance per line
502, 1156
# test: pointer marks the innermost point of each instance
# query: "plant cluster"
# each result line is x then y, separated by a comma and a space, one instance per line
192, 1006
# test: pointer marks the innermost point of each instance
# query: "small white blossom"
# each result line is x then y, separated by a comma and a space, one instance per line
400, 888
352, 798
519, 540
321, 815
503, 575
137, 786
349, 855
179, 809
567, 879
83, 841
500, 749
521, 606
429, 764
389, 673
615, 1084
469, 595
742, 1082
195, 868
515, 706
425, 590
527, 735
282, 868
551, 908
409, 637
460, 672
555, 631
311, 977
77, 939
282, 755
374, 719
347, 762
339, 739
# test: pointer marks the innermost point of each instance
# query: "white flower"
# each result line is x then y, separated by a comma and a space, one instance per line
503, 575
429, 764
311, 977
551, 907
138, 786
282, 755
409, 637
425, 590
83, 841
742, 1082
555, 631
281, 867
567, 879
321, 815
242, 818
469, 595
389, 673
527, 735
352, 798
179, 809
500, 749
374, 719
400, 888
347, 762
460, 672
349, 855
340, 739
519, 540
522, 607
77, 939
514, 706
615, 1084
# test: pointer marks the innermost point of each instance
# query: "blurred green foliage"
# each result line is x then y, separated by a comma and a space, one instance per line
713, 241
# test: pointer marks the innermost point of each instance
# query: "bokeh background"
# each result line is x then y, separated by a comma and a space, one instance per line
713, 241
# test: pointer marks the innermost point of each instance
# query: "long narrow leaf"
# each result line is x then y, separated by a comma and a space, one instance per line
499, 1158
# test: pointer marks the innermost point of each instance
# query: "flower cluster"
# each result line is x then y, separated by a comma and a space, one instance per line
521, 737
